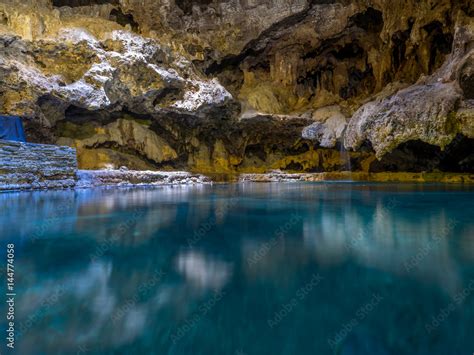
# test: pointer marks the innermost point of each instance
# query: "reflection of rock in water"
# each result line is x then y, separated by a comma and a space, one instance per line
203, 272
380, 234
386, 241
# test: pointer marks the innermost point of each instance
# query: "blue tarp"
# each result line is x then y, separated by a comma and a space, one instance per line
11, 129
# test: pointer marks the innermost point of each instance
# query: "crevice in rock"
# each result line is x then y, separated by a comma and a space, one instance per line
294, 166
122, 19
167, 96
79, 115
371, 20
3, 18
358, 81
399, 40
187, 5
257, 45
441, 44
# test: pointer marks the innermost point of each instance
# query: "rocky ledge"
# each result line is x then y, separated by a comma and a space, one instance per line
126, 178
36, 166
445, 178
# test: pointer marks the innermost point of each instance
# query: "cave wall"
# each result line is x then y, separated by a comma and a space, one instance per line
244, 85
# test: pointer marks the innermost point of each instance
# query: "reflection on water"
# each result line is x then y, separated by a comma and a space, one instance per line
202, 270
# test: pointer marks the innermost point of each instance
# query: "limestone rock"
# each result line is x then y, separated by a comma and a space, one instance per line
422, 112
227, 86
130, 134
329, 127
94, 178
426, 111
36, 166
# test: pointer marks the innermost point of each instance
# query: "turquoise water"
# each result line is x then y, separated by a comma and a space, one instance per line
336, 268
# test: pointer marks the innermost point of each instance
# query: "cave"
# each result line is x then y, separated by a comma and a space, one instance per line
237, 177
417, 156
371, 20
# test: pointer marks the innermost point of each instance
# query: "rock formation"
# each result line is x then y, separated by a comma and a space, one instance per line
234, 86
36, 166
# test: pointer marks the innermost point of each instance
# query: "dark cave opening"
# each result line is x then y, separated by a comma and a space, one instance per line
441, 44
168, 95
294, 166
371, 20
79, 115
348, 51
418, 156
255, 150
122, 19
358, 82
399, 40
331, 57
466, 80
187, 5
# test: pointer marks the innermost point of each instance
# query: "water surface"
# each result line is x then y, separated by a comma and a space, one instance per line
297, 268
